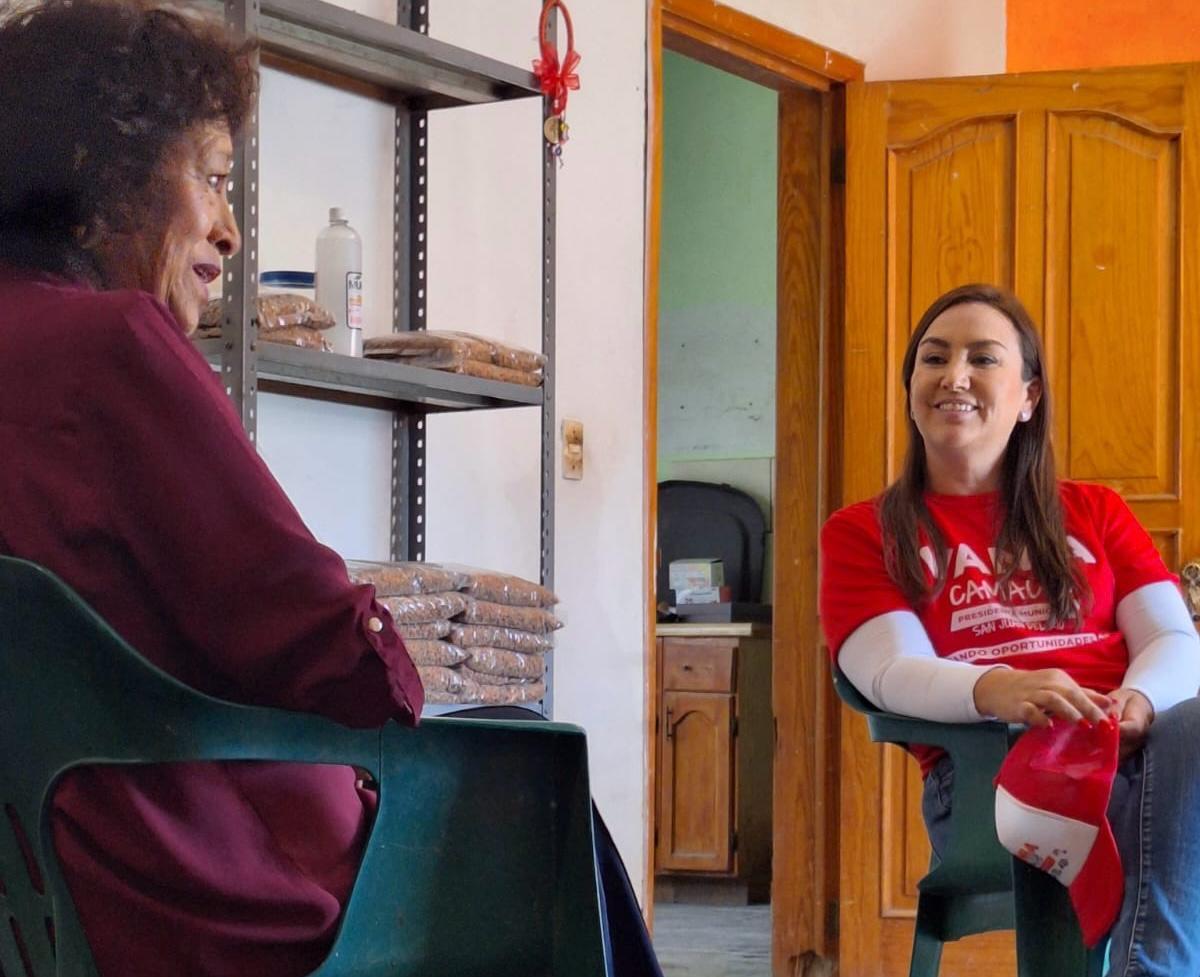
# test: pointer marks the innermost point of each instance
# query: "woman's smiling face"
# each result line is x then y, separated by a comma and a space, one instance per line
968, 390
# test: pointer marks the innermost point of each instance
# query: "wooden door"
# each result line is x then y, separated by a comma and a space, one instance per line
696, 801
1080, 191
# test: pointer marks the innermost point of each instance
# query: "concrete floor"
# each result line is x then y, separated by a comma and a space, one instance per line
713, 941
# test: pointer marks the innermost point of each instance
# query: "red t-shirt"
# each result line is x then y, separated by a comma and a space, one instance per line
970, 619
125, 471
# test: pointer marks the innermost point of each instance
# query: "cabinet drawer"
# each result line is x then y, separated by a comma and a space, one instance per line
698, 664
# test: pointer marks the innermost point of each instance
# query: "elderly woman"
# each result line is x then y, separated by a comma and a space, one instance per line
979, 586
126, 472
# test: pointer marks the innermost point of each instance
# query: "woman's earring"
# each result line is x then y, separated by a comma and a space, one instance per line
1025, 415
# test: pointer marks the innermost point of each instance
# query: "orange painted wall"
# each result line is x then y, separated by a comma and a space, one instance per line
1049, 34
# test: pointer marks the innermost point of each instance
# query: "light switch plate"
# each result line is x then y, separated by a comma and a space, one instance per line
572, 449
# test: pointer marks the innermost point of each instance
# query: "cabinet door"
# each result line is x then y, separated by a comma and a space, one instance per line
1078, 190
696, 800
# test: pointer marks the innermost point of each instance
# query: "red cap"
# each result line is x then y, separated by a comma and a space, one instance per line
1052, 796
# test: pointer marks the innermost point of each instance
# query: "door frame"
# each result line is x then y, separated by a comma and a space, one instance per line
810, 80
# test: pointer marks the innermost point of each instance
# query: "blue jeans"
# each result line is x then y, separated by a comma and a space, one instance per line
1155, 818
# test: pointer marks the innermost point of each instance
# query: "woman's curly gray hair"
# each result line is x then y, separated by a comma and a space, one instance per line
97, 94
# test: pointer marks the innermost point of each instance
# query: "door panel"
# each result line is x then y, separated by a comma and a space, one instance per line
905, 853
1112, 301
953, 207
954, 212
1081, 191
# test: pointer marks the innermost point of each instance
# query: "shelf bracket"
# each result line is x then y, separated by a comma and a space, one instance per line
549, 427
409, 288
239, 287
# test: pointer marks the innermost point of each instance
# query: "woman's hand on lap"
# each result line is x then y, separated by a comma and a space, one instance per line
1036, 697
1135, 714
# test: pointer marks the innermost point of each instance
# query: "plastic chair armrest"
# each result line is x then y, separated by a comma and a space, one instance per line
974, 859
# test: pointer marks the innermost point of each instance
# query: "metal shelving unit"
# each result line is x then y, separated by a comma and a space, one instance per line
417, 74
400, 57
374, 383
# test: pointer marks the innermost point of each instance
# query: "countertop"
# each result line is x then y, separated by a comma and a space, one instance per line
744, 629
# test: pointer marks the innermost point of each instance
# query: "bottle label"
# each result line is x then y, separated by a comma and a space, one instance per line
354, 299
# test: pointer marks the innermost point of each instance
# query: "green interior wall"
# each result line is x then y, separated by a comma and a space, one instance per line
717, 274
717, 280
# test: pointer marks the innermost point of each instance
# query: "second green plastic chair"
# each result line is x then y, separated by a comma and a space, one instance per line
977, 886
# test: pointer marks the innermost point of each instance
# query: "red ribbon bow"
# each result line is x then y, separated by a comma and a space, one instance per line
556, 80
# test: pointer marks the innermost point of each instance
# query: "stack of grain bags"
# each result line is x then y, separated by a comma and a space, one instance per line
459, 352
505, 630
292, 320
475, 636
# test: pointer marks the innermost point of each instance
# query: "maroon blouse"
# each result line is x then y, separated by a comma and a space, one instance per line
125, 470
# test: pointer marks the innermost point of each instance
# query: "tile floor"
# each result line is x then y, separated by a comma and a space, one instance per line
713, 941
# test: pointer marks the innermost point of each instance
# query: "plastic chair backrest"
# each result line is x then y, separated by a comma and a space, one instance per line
481, 860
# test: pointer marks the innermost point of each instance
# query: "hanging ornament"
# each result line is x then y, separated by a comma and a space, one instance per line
556, 79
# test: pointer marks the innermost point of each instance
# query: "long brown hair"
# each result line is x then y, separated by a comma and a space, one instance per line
1032, 519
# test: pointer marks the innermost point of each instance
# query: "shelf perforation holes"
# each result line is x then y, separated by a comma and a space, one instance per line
396, 223
420, 208
397, 420
419, 494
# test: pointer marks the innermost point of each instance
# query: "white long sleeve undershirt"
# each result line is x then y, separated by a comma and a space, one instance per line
1164, 650
890, 660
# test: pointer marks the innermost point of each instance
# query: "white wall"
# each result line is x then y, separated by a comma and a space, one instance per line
599, 661
322, 148
897, 38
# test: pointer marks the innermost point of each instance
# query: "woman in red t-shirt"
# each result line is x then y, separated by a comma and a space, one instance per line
929, 614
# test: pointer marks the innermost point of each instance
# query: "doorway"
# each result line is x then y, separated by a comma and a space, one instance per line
807, 82
716, 447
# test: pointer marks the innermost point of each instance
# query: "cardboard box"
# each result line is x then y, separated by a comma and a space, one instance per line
692, 574
704, 595
722, 613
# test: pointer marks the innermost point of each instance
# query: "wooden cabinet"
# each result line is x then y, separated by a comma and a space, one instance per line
715, 744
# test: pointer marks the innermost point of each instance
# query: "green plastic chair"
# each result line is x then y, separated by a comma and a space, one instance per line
977, 886
480, 863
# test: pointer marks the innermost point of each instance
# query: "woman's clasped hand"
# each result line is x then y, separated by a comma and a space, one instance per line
1047, 695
